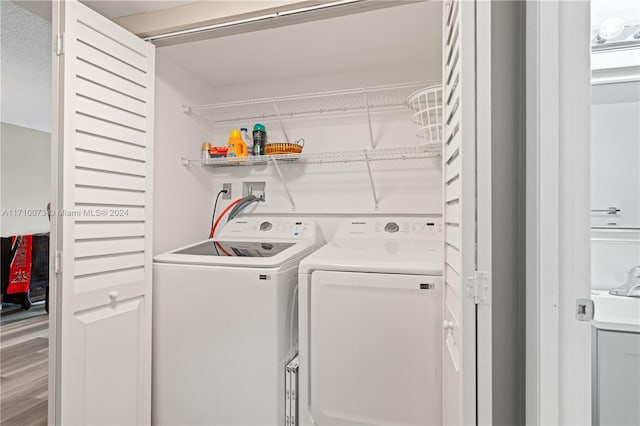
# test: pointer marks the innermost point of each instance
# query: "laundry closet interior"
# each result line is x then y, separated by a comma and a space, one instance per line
309, 83
373, 94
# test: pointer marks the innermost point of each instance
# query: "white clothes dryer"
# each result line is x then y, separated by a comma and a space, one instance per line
224, 324
370, 325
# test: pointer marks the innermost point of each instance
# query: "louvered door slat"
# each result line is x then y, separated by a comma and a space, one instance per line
87, 248
95, 195
106, 162
103, 60
110, 213
102, 179
91, 35
95, 265
110, 113
92, 230
99, 144
453, 190
454, 283
92, 90
89, 122
453, 231
91, 72
452, 213
95, 282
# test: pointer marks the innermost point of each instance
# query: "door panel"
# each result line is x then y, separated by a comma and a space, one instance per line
114, 376
104, 139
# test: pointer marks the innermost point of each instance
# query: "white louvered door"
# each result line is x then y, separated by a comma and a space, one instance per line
459, 170
104, 139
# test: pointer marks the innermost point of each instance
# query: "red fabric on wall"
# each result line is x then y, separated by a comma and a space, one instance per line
20, 272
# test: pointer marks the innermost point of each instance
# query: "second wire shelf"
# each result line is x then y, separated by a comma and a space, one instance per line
404, 153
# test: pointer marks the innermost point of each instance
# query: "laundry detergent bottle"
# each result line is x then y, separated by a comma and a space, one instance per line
237, 146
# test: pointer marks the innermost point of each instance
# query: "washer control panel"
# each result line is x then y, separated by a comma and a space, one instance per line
392, 228
263, 227
266, 226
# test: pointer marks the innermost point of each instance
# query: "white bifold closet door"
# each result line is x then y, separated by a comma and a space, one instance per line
462, 399
103, 150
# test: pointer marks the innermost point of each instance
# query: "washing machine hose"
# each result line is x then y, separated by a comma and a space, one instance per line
229, 207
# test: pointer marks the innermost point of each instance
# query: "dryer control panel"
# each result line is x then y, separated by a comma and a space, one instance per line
402, 228
269, 228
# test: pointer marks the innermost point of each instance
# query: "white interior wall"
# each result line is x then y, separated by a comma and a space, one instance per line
402, 186
327, 192
182, 198
25, 180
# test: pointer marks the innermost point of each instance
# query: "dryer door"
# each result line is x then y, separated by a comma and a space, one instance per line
375, 349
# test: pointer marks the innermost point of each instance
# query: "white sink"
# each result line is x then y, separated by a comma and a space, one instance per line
618, 313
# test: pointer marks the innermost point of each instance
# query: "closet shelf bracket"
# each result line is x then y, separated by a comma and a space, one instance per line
286, 136
193, 113
366, 102
284, 183
373, 185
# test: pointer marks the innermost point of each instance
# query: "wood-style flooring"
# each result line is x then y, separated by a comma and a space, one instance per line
24, 371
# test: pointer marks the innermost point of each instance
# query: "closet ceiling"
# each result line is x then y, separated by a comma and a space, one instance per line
115, 8
395, 38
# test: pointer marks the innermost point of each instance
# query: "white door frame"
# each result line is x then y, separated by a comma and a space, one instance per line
558, 389
55, 229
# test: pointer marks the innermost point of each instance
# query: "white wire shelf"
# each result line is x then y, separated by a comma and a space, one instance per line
387, 154
338, 101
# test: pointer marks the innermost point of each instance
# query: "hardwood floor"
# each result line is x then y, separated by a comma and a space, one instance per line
24, 371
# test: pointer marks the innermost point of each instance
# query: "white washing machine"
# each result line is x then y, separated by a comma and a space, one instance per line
370, 325
224, 325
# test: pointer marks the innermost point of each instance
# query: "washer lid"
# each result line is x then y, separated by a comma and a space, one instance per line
242, 253
377, 255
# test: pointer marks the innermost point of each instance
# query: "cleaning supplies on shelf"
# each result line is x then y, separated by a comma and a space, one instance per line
237, 147
218, 151
259, 139
244, 133
204, 154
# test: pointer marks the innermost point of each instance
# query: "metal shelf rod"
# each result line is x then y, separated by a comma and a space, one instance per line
373, 185
366, 102
286, 136
284, 184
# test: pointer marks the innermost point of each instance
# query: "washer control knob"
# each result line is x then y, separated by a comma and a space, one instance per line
391, 227
266, 226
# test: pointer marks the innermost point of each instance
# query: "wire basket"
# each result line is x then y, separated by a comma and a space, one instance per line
284, 148
426, 105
